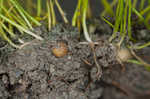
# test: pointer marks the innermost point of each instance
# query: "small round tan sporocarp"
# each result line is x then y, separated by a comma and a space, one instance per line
124, 54
60, 49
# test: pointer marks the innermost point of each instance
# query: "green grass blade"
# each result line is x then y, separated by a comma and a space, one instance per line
49, 16
108, 8
147, 21
119, 17
138, 14
7, 30
110, 24
31, 18
52, 13
4, 36
135, 3
147, 9
14, 2
134, 62
124, 24
61, 12
85, 7
142, 46
76, 13
19, 27
129, 20
1, 5
39, 8
142, 5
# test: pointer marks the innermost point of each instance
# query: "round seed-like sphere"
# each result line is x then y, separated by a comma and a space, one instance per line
124, 54
60, 49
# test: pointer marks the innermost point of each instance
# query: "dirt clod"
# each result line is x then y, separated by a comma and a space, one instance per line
34, 72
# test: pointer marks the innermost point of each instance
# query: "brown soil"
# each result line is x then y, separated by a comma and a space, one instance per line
33, 72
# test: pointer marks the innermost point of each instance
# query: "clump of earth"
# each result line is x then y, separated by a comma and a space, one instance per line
34, 72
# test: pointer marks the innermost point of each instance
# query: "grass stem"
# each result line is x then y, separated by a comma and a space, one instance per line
39, 8
19, 27
61, 12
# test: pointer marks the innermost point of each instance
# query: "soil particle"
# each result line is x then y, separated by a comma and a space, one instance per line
106, 54
4, 94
